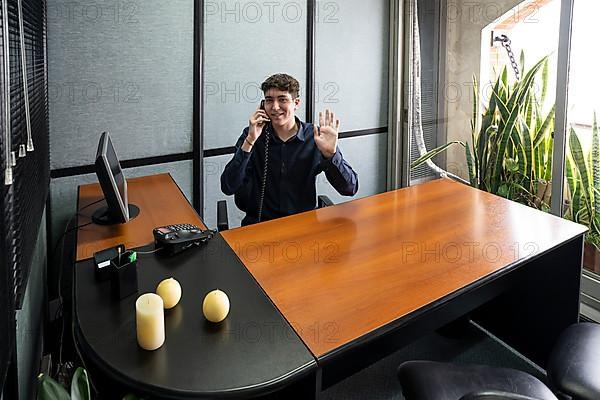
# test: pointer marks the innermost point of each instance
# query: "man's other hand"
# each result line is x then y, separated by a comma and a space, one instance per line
326, 137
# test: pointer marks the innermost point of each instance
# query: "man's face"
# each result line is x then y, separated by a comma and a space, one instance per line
281, 107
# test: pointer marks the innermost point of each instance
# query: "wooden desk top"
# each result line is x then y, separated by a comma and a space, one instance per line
341, 272
156, 192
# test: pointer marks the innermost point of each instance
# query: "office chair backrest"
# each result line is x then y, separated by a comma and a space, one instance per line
495, 395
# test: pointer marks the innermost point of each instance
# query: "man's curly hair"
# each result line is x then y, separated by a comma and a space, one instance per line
283, 82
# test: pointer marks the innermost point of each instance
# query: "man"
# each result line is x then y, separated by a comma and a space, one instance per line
291, 152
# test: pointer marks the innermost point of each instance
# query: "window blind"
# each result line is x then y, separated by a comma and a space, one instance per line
31, 172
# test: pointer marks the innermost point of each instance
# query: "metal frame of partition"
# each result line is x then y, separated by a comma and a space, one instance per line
397, 174
560, 119
198, 110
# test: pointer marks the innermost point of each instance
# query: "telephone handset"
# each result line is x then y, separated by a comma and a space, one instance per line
264, 177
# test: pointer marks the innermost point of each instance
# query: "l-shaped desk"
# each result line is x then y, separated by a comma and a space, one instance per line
320, 295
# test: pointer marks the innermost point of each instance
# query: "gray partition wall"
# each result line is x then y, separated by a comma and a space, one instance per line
351, 62
123, 67
246, 41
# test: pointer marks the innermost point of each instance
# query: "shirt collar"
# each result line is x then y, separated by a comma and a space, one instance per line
301, 134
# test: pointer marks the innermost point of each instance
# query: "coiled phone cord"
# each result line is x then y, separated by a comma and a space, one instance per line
264, 178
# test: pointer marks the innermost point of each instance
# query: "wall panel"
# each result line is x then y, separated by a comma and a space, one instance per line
122, 67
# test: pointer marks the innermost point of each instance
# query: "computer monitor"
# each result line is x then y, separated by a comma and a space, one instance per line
114, 186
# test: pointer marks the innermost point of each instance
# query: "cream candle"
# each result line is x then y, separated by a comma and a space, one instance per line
150, 321
170, 291
215, 306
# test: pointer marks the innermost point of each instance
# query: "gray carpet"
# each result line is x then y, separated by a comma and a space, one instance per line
378, 382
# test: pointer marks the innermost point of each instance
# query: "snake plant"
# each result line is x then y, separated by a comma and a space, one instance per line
510, 152
583, 181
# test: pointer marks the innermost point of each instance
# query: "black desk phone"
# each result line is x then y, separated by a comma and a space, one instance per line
176, 238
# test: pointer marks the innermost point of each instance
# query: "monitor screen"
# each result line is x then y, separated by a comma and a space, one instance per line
113, 184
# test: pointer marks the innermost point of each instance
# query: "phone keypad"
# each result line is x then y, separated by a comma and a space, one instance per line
183, 227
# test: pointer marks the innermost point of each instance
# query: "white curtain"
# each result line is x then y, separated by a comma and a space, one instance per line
415, 122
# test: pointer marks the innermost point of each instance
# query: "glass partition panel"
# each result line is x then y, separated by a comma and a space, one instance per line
582, 162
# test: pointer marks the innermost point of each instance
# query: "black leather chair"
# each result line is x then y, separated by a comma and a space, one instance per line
573, 370
223, 218
574, 365
430, 380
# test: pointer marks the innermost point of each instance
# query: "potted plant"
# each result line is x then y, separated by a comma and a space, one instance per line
510, 153
49, 389
583, 183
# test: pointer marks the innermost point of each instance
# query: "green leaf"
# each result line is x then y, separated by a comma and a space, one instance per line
474, 123
432, 153
572, 184
545, 70
595, 163
505, 90
529, 109
503, 190
545, 128
536, 163
538, 117
522, 61
512, 165
481, 141
475, 110
495, 94
471, 167
527, 154
486, 155
582, 170
80, 388
49, 389
504, 112
520, 152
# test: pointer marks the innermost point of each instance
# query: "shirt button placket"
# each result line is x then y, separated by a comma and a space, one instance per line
282, 185
283, 159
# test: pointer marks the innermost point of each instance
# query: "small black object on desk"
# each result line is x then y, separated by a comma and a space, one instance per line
102, 261
123, 280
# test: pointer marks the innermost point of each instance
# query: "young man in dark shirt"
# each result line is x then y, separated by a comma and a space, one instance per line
295, 152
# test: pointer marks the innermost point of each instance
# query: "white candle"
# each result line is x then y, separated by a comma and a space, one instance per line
150, 321
170, 291
215, 306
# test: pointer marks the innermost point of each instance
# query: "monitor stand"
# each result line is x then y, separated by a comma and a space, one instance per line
102, 217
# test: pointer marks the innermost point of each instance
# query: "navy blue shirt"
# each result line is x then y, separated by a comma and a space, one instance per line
291, 178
